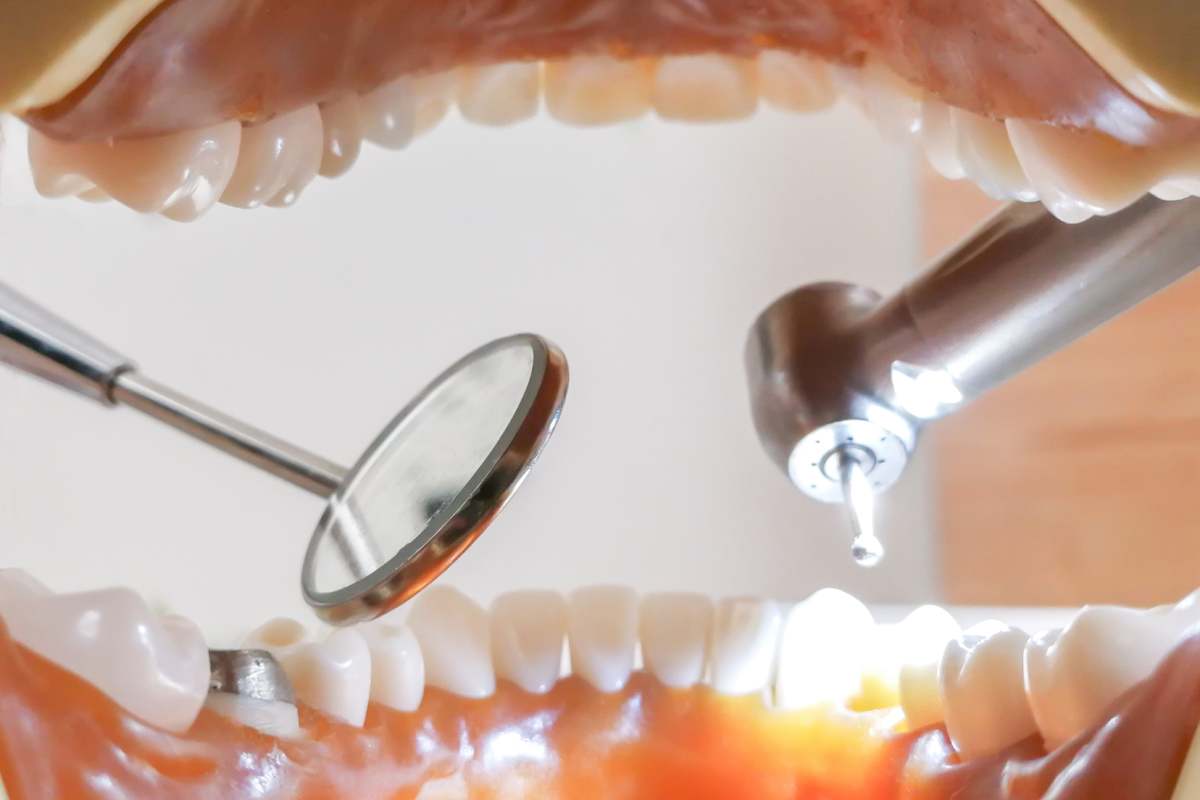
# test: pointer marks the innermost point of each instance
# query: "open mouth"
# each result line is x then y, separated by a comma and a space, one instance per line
602, 694
171, 107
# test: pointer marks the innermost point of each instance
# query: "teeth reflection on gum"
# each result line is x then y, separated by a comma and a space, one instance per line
463, 702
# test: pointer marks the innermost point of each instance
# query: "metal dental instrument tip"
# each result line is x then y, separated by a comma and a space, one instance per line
468, 440
249, 673
865, 548
833, 366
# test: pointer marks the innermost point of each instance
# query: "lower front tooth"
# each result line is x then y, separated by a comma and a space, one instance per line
528, 630
794, 81
983, 692
602, 633
597, 90
397, 666
342, 129
674, 629
823, 650
705, 88
278, 159
745, 638
501, 94
454, 634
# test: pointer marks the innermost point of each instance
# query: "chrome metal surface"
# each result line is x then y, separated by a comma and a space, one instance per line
249, 673
269, 453
1019, 288
444, 519
425, 489
35, 341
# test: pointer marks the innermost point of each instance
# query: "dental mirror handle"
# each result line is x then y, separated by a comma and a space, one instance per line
35, 341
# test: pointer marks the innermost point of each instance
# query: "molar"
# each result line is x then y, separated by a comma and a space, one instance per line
982, 690
528, 631
794, 81
675, 630
180, 175
1072, 676
602, 632
278, 159
500, 94
745, 638
332, 676
454, 634
397, 666
154, 667
598, 90
705, 88
823, 650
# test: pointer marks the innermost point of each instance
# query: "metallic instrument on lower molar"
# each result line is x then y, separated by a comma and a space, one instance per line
842, 380
249, 673
417, 498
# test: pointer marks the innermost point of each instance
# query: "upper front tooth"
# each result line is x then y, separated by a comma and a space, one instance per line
893, 104
744, 641
597, 90
939, 140
154, 667
397, 666
674, 630
794, 81
982, 689
701, 88
1074, 675
528, 631
602, 626
823, 650
500, 94
342, 128
389, 114
455, 641
988, 157
333, 676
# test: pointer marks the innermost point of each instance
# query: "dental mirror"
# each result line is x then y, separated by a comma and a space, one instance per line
420, 494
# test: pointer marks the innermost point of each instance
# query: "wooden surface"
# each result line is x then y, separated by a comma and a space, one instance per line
1079, 481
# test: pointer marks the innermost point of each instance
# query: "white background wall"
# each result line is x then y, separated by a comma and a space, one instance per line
645, 251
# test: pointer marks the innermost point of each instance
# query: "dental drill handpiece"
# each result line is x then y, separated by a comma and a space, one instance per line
842, 380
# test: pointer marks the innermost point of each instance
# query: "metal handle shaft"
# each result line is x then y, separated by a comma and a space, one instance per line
36, 341
1025, 285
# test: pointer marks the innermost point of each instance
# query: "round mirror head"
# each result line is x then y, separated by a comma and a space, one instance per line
434, 479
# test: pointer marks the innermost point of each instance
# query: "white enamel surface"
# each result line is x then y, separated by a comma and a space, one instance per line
155, 667
597, 90
266, 716
602, 632
674, 629
500, 94
705, 88
794, 81
528, 630
1073, 675
454, 634
913, 648
982, 689
938, 139
342, 135
180, 174
823, 650
891, 103
389, 114
988, 158
745, 637
397, 665
278, 159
